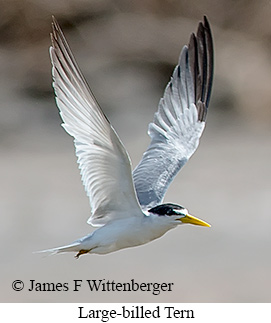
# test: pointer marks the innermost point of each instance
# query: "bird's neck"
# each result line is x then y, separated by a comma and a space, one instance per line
159, 225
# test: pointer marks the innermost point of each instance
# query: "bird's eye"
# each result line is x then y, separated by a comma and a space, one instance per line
182, 212
169, 210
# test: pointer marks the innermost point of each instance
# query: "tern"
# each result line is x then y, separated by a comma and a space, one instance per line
127, 205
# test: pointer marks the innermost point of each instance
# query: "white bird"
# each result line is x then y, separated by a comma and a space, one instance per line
127, 205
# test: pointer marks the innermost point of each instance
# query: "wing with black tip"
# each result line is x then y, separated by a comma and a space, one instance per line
179, 122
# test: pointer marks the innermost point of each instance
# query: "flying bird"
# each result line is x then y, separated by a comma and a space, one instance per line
127, 205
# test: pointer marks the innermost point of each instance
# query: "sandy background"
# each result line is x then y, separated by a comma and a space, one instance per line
127, 51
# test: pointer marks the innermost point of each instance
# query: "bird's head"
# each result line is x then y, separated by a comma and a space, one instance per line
177, 213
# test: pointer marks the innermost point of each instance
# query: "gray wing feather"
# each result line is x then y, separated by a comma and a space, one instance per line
179, 122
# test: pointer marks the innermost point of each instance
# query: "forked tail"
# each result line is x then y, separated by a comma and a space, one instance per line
75, 246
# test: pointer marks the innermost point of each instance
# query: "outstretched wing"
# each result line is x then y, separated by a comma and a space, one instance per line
103, 161
179, 122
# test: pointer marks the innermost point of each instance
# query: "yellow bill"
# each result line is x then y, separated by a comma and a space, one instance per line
193, 220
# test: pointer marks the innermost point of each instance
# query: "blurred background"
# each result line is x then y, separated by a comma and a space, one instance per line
127, 50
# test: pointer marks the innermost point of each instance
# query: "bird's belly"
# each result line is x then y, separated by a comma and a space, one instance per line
124, 234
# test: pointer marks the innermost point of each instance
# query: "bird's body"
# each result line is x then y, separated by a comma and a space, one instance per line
123, 233
127, 205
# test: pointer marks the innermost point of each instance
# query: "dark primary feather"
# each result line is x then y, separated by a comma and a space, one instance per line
174, 132
200, 50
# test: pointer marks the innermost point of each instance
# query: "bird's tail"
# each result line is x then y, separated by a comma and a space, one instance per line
71, 247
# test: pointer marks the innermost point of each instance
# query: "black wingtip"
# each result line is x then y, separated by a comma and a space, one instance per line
210, 58
206, 23
201, 63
